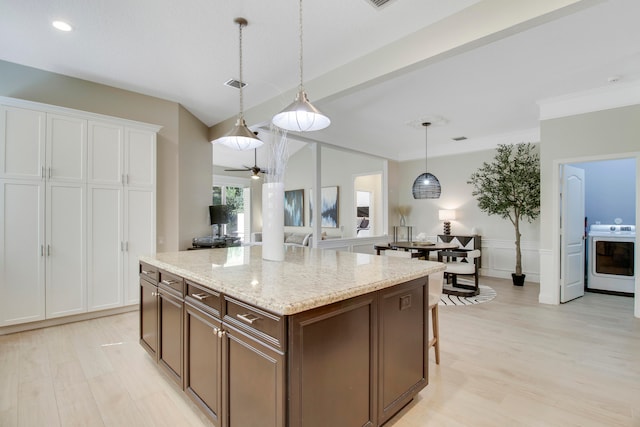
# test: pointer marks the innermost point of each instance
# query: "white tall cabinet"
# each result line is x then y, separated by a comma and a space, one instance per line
77, 198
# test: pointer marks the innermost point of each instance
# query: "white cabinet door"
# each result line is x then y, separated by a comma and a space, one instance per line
65, 249
22, 143
105, 247
139, 236
22, 290
105, 153
140, 158
66, 148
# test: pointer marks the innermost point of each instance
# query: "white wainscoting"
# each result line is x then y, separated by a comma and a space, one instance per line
499, 259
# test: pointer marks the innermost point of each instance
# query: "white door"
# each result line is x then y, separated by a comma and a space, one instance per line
66, 148
65, 249
572, 234
140, 158
105, 154
139, 237
22, 143
105, 246
22, 289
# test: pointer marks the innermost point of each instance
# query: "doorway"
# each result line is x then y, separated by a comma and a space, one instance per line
368, 206
610, 187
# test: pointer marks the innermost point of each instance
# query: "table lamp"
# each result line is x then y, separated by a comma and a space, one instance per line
446, 215
219, 215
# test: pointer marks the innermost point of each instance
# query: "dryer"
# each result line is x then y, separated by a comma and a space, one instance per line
612, 258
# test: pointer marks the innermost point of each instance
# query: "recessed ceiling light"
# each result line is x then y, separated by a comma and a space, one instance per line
62, 26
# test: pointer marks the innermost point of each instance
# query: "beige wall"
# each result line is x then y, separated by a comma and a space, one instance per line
194, 179
41, 86
453, 172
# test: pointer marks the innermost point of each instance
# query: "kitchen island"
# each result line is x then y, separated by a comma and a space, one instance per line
321, 338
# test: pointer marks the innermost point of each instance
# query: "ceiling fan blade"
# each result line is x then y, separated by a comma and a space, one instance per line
238, 170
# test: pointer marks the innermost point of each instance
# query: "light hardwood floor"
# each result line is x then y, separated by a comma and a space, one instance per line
509, 362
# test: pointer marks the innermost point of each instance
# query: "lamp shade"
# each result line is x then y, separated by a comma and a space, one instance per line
239, 138
301, 116
426, 186
219, 214
446, 214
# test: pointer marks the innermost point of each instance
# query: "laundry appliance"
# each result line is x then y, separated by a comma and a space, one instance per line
612, 258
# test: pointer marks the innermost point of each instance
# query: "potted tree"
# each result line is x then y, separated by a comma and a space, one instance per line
510, 187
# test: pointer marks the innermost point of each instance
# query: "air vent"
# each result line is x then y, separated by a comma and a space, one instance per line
459, 138
379, 3
234, 83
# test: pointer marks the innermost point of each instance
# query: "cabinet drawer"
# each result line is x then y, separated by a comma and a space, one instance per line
204, 298
149, 272
265, 326
171, 281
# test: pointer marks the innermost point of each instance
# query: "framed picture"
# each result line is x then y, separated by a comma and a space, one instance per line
294, 208
328, 207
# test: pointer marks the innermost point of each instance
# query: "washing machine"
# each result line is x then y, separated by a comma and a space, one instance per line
612, 258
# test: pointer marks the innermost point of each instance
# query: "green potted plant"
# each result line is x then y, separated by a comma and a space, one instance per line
509, 186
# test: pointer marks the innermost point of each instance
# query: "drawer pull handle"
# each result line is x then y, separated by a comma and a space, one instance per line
148, 272
249, 318
200, 297
169, 282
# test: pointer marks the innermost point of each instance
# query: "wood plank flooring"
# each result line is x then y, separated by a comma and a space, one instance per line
509, 362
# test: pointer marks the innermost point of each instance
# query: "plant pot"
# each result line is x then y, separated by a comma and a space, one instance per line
518, 280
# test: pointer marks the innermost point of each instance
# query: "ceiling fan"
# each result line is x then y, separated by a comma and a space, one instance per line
255, 169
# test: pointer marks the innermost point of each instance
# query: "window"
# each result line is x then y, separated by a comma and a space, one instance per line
236, 198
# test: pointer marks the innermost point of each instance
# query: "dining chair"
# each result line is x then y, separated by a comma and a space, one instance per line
461, 263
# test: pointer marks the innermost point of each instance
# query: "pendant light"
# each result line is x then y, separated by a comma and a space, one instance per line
301, 116
240, 137
426, 186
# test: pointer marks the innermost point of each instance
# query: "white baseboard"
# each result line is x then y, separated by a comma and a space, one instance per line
11, 329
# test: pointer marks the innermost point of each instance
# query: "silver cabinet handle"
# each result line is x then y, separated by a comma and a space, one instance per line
200, 297
249, 318
49, 173
42, 172
168, 282
148, 272
41, 250
48, 250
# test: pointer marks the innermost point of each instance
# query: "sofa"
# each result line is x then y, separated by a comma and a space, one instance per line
290, 238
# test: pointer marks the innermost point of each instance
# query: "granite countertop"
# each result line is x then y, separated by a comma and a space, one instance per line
306, 279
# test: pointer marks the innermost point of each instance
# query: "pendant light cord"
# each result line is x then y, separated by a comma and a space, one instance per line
241, 24
426, 145
300, 52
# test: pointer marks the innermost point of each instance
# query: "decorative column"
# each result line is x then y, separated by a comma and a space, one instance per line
273, 221
273, 197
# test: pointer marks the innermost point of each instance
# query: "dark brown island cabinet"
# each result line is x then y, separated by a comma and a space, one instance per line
355, 362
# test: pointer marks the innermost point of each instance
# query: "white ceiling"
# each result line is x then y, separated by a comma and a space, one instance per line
185, 50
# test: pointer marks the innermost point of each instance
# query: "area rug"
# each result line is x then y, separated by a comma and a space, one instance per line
486, 294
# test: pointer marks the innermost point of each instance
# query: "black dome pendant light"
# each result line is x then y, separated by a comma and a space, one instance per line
426, 186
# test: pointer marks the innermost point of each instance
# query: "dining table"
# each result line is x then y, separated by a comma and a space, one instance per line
421, 248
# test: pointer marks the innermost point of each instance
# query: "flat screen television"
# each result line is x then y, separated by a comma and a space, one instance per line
362, 211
